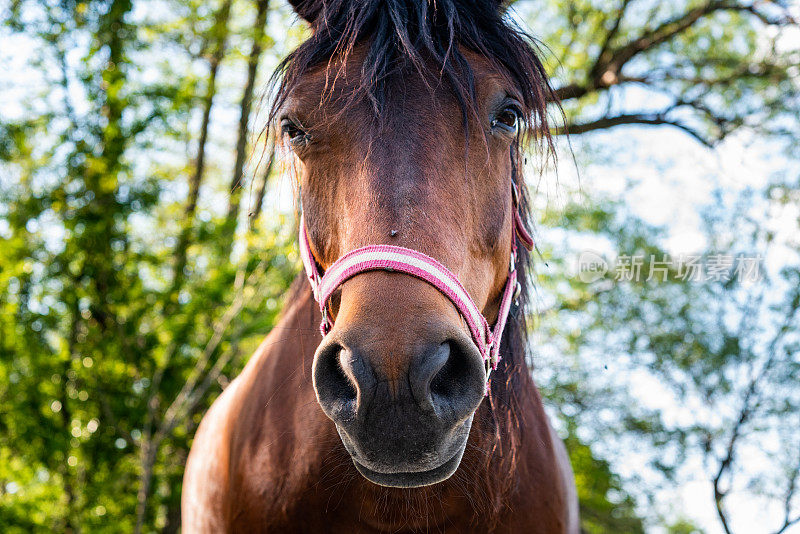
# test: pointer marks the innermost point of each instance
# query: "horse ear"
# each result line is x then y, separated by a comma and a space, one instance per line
308, 10
500, 5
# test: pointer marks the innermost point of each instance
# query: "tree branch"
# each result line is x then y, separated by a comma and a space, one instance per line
750, 403
262, 186
172, 414
658, 119
661, 34
570, 92
244, 115
605, 50
220, 34
152, 440
607, 69
791, 489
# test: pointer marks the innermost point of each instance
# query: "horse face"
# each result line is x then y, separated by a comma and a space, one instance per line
399, 373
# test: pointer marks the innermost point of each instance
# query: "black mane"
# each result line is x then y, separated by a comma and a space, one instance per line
414, 34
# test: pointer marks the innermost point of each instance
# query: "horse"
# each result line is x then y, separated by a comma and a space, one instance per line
416, 410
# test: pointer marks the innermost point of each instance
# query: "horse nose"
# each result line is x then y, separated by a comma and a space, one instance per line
443, 380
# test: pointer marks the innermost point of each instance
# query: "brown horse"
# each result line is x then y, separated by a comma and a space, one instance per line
406, 117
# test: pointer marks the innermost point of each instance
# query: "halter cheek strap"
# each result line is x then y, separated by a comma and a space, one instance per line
422, 266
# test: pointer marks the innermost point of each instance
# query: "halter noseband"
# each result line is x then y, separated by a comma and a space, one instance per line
422, 266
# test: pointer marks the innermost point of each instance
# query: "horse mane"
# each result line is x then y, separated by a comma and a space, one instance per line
417, 35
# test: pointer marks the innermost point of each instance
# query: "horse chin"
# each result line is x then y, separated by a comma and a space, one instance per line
431, 469
412, 479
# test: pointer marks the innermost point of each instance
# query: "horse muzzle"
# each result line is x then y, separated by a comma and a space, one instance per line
403, 425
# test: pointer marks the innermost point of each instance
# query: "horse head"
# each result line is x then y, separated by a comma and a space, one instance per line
406, 119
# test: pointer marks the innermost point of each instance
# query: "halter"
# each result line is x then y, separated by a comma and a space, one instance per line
415, 263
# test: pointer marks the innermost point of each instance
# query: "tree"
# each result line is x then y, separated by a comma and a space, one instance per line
707, 67
717, 334
118, 299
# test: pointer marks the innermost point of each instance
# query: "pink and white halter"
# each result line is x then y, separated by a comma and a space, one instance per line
422, 266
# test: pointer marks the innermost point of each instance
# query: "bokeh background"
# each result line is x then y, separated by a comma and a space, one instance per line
147, 237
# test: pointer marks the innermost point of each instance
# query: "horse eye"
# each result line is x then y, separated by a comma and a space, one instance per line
507, 119
296, 135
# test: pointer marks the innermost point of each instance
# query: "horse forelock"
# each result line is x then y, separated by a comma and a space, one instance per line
420, 35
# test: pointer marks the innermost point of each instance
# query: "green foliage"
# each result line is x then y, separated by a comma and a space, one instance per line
605, 506
707, 67
683, 527
96, 337
721, 354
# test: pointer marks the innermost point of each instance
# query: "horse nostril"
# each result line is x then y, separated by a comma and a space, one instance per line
336, 392
446, 382
457, 386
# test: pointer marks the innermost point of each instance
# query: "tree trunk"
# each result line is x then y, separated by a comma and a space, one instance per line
262, 187
219, 38
259, 30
